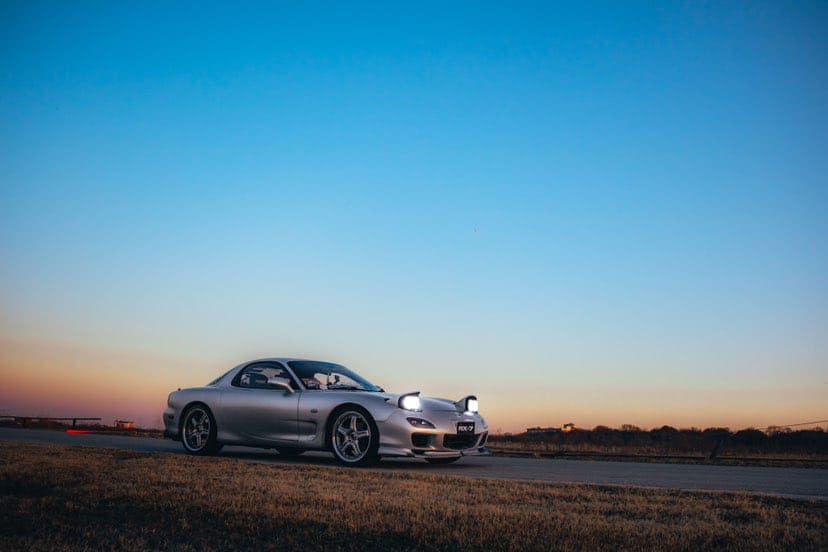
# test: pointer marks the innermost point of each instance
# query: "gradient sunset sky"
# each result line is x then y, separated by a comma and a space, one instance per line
600, 213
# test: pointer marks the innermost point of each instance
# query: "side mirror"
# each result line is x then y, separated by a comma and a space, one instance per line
280, 383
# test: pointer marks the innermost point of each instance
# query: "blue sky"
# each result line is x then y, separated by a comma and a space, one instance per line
596, 196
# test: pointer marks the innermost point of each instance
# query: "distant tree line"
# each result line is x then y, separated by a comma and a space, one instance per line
669, 440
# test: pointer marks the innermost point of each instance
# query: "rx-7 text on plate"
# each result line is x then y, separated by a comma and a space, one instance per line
295, 405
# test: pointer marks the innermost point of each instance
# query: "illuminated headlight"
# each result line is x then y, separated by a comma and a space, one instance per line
419, 422
472, 405
409, 402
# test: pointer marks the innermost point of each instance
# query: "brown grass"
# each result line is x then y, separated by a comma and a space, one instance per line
630, 454
54, 498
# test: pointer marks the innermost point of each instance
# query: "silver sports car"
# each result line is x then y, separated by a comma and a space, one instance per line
294, 405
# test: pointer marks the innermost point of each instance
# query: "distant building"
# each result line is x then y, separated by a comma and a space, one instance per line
124, 424
537, 430
566, 428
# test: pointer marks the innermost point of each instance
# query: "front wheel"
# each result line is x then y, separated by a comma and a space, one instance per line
354, 438
198, 431
441, 461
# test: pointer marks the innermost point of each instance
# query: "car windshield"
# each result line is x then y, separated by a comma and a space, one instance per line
329, 376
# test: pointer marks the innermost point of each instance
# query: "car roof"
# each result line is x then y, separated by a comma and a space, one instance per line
224, 379
286, 359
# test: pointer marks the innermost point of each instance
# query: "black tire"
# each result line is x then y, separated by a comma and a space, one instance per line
443, 461
353, 437
198, 431
289, 452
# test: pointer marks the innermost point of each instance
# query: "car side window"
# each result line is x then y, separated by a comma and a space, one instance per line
332, 380
263, 376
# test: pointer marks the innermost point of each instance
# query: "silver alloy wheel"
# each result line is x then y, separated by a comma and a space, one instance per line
351, 436
196, 429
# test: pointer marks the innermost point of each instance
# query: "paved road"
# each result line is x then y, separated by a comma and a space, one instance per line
793, 482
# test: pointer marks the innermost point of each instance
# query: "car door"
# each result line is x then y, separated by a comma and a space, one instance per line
255, 408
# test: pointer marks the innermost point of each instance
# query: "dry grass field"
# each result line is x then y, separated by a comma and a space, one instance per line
54, 498
581, 452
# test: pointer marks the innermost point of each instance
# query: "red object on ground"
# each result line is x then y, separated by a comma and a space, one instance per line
78, 431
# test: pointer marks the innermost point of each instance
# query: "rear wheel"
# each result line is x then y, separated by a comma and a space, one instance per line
354, 437
440, 461
198, 431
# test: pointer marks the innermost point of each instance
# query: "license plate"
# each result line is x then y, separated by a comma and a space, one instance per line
465, 428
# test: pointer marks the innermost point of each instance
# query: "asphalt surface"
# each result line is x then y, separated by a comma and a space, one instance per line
791, 482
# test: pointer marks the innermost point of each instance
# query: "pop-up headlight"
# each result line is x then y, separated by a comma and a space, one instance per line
472, 405
410, 402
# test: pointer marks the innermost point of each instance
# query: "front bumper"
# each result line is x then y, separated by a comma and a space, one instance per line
171, 424
399, 438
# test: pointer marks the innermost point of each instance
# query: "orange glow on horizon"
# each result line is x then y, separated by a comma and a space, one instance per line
60, 380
